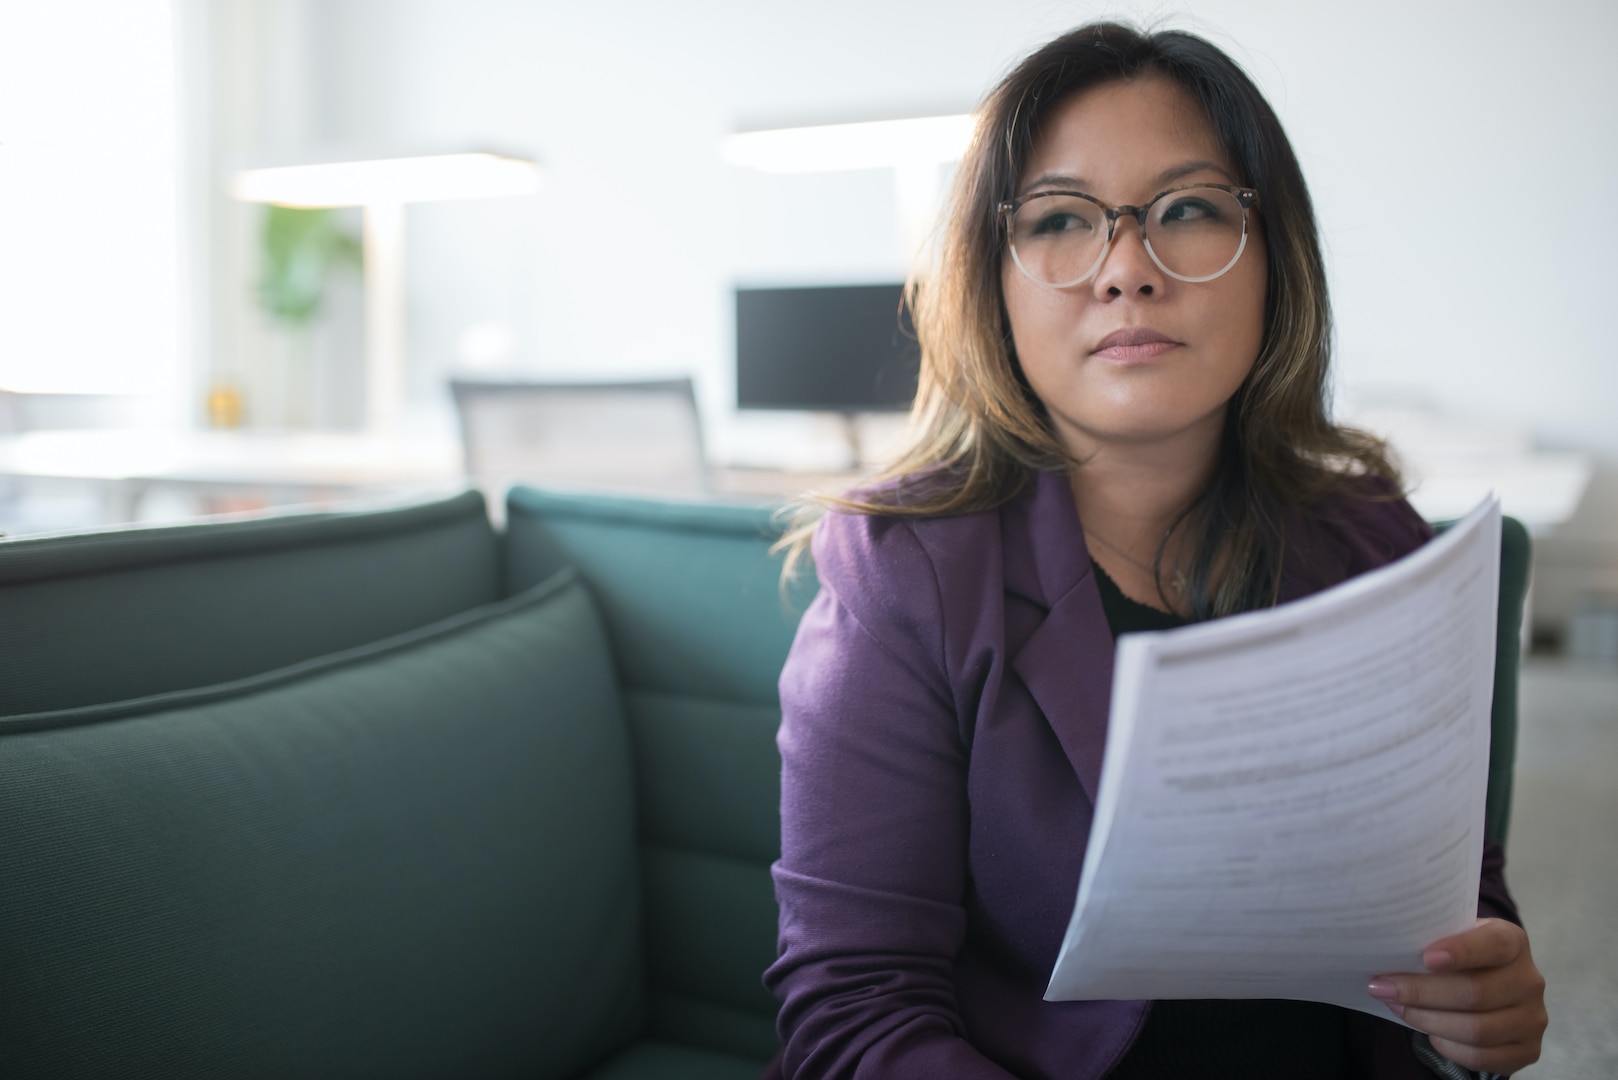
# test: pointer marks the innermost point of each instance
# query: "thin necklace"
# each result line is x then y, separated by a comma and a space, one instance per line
1178, 582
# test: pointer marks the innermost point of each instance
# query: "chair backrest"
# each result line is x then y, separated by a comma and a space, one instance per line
10, 412
699, 629
641, 436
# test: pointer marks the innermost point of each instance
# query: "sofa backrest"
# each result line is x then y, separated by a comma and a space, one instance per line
1516, 555
413, 858
699, 629
118, 614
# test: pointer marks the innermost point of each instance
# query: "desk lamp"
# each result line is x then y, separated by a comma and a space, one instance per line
383, 187
914, 149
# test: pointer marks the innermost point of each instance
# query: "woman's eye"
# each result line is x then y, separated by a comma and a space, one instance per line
1185, 210
1059, 221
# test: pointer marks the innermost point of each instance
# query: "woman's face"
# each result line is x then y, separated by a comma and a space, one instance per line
1124, 142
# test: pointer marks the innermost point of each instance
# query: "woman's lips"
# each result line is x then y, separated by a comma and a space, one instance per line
1134, 345
1135, 354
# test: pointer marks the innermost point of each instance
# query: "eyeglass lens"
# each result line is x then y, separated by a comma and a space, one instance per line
1193, 234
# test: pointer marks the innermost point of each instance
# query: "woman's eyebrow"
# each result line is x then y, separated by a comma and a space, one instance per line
1167, 176
1058, 180
1170, 175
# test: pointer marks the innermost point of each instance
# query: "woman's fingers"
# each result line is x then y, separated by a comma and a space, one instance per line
1481, 1030
1482, 1000
1491, 943
1480, 991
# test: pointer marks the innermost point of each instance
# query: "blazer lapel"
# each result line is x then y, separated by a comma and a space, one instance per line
1066, 663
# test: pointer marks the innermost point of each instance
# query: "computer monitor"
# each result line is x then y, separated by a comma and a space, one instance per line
831, 348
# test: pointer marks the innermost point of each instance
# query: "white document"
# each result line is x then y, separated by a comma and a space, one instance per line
1292, 800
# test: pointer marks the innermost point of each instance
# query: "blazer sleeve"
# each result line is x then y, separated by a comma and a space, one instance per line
873, 821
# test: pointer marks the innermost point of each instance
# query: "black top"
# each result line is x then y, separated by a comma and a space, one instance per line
1211, 1040
1126, 616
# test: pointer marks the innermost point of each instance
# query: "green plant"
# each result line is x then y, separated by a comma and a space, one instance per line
299, 251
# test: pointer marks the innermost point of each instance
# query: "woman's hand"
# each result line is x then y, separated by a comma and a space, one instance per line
1482, 1001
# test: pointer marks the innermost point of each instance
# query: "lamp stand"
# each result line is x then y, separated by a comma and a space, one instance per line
384, 316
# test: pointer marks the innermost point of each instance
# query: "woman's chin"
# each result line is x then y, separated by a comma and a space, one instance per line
1144, 429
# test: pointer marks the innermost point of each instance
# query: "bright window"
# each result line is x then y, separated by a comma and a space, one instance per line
88, 174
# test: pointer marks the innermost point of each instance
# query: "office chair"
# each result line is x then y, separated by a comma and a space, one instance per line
640, 436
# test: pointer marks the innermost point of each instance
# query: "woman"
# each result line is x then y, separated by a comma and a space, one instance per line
1120, 426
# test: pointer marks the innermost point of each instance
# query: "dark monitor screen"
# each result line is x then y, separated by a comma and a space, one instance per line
833, 348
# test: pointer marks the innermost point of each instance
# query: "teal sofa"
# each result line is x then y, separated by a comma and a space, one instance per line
388, 794
391, 794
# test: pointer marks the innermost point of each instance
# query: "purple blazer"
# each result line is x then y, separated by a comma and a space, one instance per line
944, 711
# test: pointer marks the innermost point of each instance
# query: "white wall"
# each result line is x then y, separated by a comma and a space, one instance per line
1461, 153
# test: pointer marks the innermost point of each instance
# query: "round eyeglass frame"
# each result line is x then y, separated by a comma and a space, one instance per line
1247, 197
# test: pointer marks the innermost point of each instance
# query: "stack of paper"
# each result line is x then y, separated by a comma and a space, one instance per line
1292, 800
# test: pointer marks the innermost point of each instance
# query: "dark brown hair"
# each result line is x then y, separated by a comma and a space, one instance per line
977, 431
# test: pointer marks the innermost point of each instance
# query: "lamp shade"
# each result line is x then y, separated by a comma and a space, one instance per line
831, 147
389, 180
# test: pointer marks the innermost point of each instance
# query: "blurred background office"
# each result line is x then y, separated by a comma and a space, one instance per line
179, 336
1462, 164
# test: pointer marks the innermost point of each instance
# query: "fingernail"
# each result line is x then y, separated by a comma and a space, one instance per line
1438, 959
1396, 1010
1382, 989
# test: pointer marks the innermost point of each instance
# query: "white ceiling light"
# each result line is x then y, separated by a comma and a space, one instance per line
832, 147
389, 180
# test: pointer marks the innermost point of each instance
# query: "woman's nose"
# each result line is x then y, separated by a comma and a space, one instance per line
1128, 268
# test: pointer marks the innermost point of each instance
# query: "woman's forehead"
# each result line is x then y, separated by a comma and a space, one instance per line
1128, 134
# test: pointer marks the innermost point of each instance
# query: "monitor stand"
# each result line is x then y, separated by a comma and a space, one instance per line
851, 434
871, 437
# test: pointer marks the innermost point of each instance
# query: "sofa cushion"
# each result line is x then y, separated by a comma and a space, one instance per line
689, 591
122, 613
699, 626
664, 1061
415, 858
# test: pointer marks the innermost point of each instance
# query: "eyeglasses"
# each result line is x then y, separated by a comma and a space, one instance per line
1193, 233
